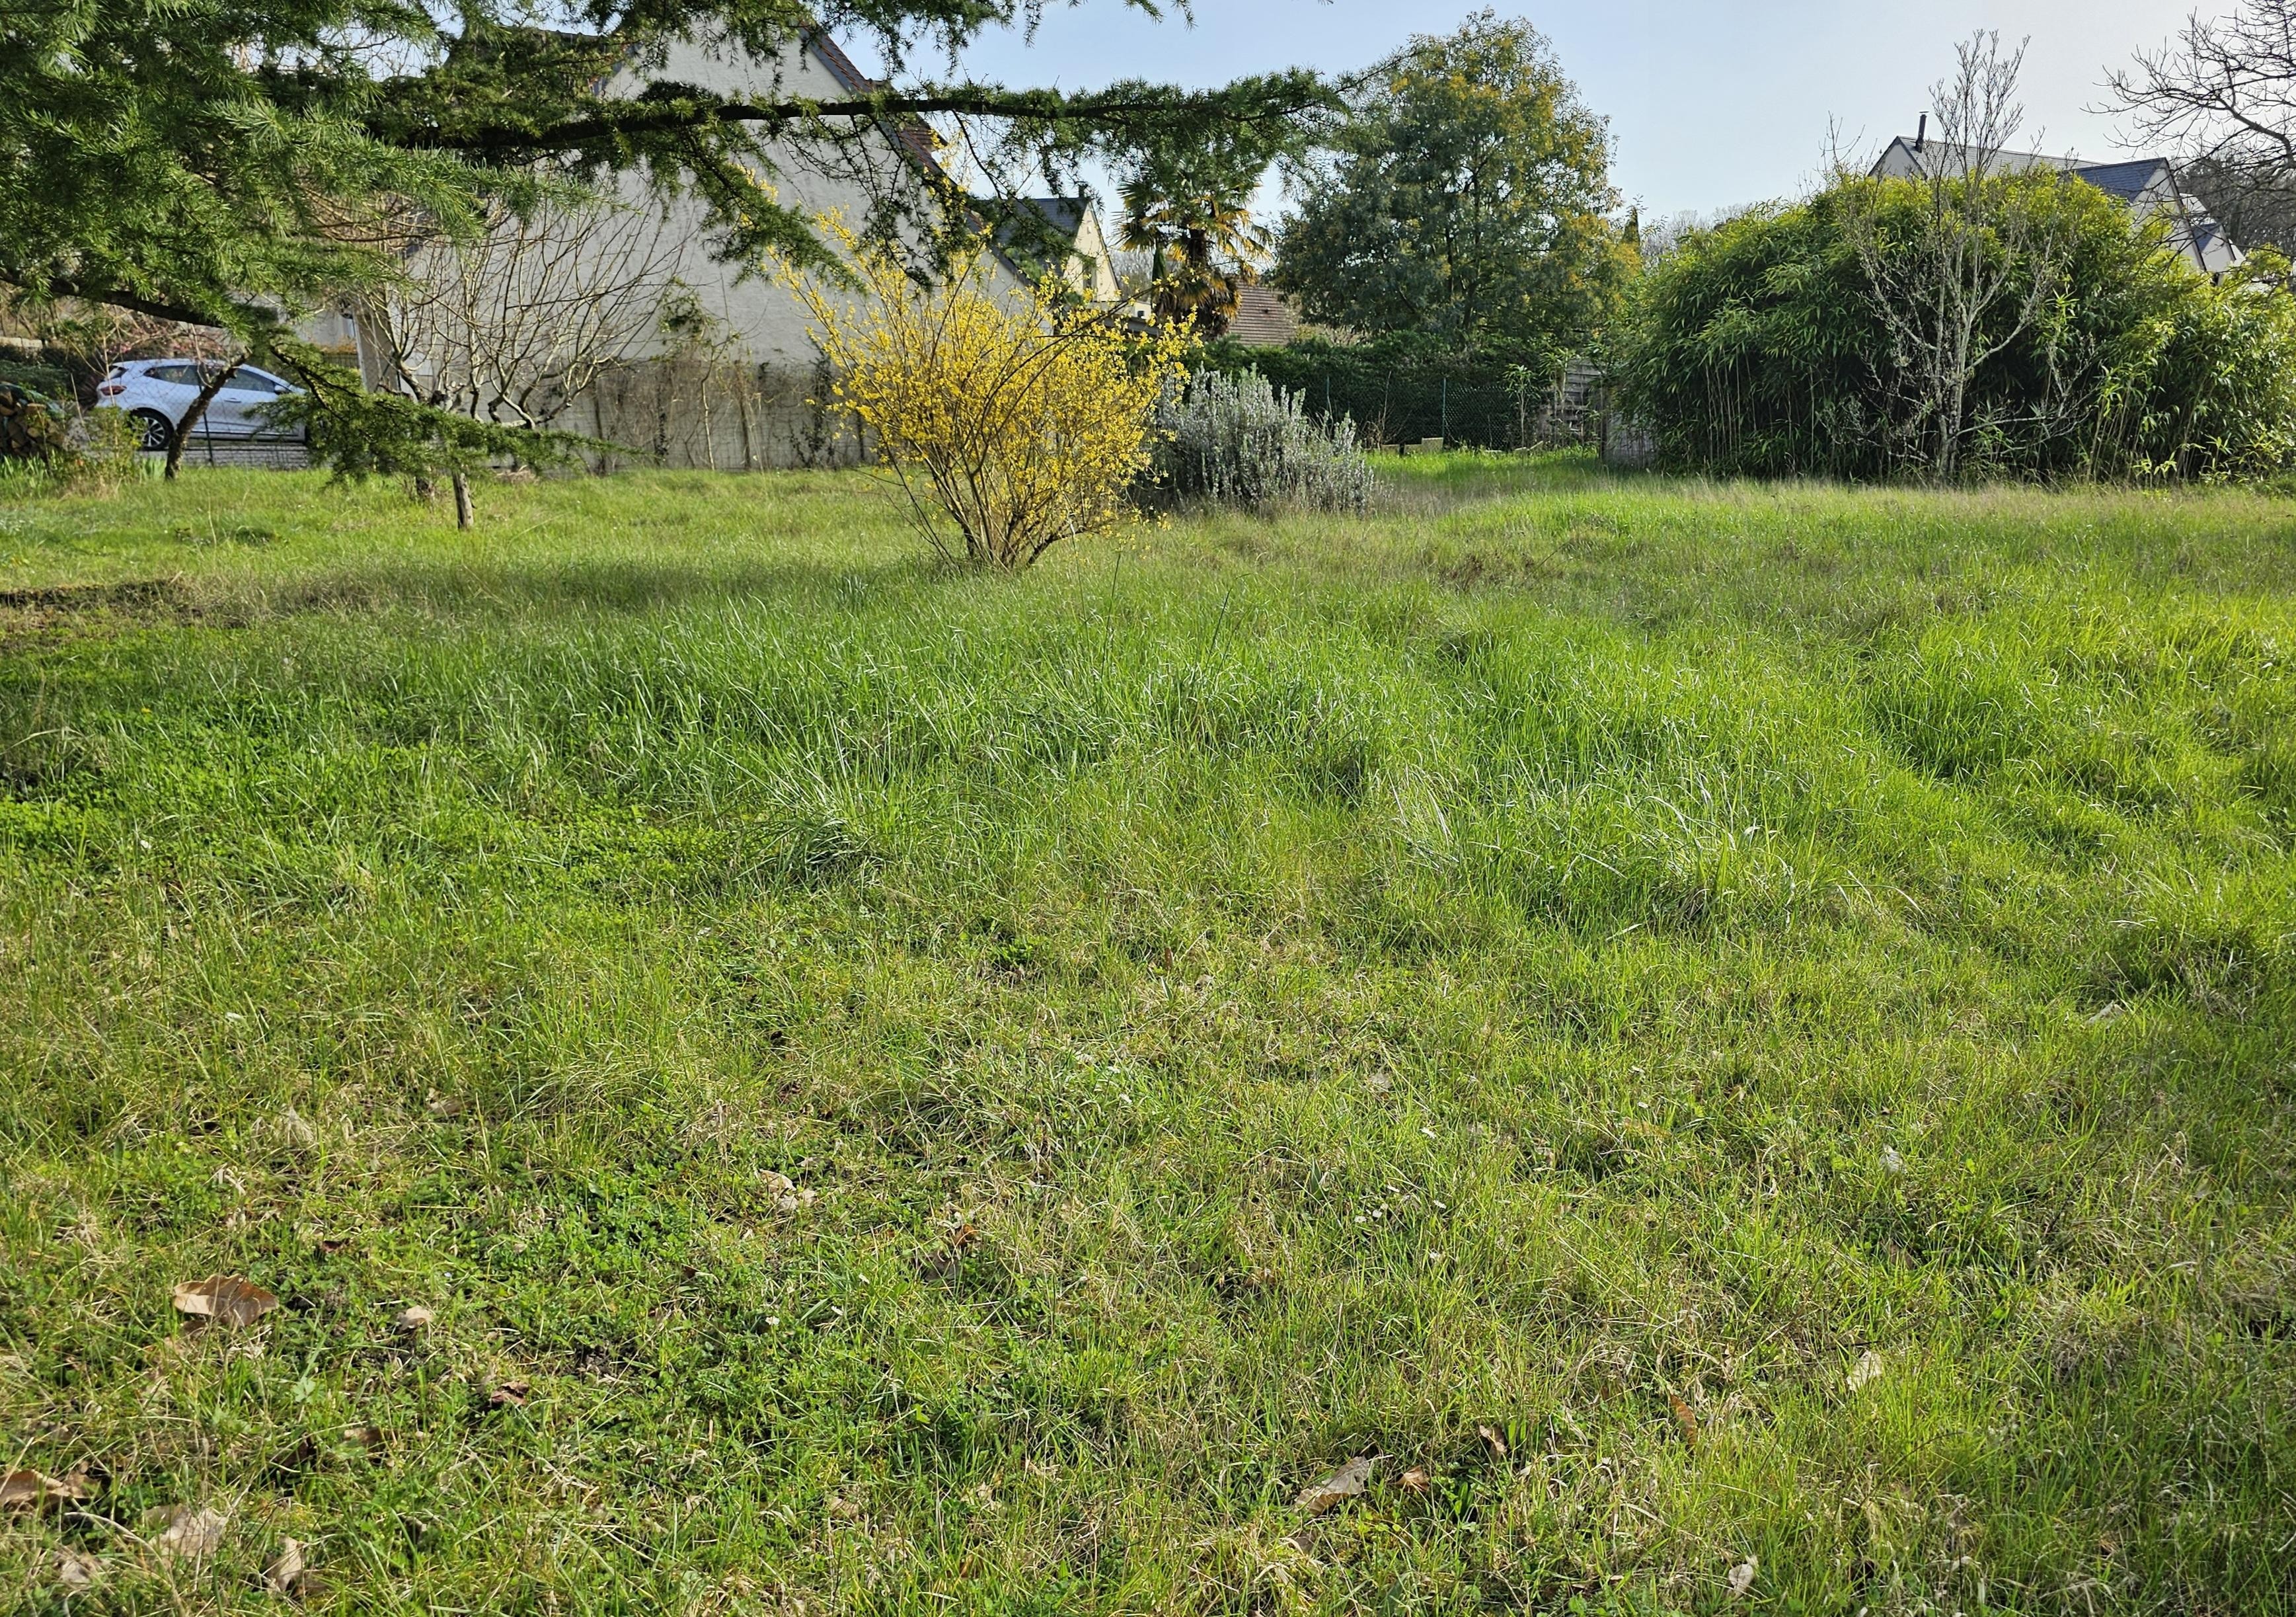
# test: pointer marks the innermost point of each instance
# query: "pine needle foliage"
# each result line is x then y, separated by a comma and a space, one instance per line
1007, 421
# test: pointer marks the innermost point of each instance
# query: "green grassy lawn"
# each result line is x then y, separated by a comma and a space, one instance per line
1711, 1028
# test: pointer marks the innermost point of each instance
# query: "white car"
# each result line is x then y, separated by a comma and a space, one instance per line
156, 392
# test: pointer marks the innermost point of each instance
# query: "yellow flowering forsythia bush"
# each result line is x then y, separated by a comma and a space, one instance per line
1010, 422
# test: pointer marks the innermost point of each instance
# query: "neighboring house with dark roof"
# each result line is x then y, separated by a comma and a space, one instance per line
1067, 228
1262, 319
2147, 186
744, 398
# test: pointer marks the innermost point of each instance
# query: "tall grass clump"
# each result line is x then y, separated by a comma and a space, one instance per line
1239, 441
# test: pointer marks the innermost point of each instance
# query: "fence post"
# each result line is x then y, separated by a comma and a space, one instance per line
1447, 412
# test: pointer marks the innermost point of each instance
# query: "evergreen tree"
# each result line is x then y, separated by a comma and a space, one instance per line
233, 163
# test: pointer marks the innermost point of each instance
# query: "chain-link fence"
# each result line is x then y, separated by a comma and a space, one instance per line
1405, 403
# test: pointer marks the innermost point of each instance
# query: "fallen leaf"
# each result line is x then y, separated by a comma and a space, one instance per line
788, 1194
1346, 1483
1741, 1577
509, 1392
413, 1318
1866, 1371
963, 1237
186, 1531
77, 1569
288, 1574
1684, 1419
224, 1299
1416, 1480
444, 1106
1493, 1440
25, 1490
365, 1437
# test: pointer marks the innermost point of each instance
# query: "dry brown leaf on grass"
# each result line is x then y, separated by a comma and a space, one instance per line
289, 1573
1684, 1419
76, 1570
413, 1318
180, 1530
1348, 1482
1866, 1371
1741, 1577
1416, 1480
509, 1394
24, 1491
1492, 1440
788, 1194
224, 1299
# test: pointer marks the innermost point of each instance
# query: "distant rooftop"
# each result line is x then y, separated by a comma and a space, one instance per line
2145, 186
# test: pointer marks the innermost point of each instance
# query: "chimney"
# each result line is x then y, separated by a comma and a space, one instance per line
1922, 136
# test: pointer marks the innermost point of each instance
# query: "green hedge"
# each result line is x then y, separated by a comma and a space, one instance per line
1759, 348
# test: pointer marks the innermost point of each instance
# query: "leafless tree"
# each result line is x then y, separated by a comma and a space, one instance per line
517, 324
2223, 91
2222, 96
1977, 273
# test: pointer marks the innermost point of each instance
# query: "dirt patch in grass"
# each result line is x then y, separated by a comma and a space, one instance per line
32, 617
56, 600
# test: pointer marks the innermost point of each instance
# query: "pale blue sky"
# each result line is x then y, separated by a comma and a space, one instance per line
1712, 104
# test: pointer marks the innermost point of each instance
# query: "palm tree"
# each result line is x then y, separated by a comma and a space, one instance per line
1194, 216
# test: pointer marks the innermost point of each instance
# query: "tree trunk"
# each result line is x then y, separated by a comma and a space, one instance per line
465, 518
208, 390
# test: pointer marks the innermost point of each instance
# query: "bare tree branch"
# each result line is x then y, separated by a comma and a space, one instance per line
2222, 96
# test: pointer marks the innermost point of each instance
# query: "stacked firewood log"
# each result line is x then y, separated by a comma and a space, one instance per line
30, 427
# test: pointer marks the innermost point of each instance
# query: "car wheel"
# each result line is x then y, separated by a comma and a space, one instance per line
153, 431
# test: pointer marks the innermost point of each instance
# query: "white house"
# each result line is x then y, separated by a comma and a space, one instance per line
730, 381
2148, 186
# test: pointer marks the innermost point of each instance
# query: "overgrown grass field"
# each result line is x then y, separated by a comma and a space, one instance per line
1738, 1041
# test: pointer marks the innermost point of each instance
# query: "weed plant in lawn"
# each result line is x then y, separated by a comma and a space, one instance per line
1726, 1036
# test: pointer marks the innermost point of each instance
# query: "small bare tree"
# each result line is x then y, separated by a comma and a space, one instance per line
516, 324
1978, 271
